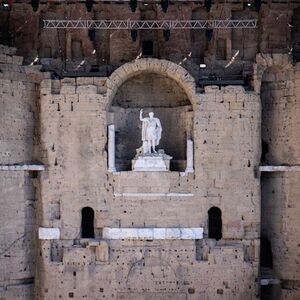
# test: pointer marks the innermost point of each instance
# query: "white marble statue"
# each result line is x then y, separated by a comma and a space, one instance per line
151, 132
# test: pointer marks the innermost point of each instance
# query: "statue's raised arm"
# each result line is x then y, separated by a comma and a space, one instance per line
141, 116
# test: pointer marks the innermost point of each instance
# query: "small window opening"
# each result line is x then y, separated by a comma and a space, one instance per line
87, 223
215, 223
147, 48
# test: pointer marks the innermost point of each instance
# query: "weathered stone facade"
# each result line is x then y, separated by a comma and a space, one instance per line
152, 231
73, 139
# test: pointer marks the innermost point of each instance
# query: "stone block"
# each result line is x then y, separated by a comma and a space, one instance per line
151, 163
68, 81
191, 233
84, 81
86, 89
9, 59
211, 89
67, 90
99, 81
236, 105
49, 233
159, 233
2, 59
153, 233
173, 233
102, 252
17, 60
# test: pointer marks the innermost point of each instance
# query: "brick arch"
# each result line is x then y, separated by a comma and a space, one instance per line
151, 65
267, 61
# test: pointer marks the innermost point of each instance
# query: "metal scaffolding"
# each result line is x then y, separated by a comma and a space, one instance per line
149, 24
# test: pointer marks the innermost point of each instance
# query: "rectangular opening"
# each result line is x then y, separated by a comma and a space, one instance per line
147, 48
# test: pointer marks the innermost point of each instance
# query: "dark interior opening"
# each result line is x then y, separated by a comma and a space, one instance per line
264, 151
266, 256
87, 223
147, 48
215, 223
296, 35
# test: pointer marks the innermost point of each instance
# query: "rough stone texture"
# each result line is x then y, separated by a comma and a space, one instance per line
280, 102
229, 52
62, 124
226, 133
280, 191
18, 113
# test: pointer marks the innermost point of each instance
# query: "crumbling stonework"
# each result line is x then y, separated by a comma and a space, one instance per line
73, 112
73, 228
18, 98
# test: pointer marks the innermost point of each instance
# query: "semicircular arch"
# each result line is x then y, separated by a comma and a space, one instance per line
151, 65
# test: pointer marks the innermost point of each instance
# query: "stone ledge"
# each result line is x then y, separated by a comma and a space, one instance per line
294, 168
153, 194
49, 233
269, 281
153, 233
21, 167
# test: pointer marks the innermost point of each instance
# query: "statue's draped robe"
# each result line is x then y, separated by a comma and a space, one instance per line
158, 130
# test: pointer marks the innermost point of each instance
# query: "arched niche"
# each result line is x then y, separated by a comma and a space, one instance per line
87, 222
215, 223
162, 95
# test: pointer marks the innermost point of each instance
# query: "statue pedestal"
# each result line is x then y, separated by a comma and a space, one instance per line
151, 162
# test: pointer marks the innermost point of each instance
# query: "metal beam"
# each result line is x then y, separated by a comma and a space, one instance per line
151, 24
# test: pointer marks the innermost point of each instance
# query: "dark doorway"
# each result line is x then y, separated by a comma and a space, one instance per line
215, 223
266, 256
87, 223
296, 34
147, 48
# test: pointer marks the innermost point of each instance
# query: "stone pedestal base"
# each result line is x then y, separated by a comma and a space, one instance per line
151, 162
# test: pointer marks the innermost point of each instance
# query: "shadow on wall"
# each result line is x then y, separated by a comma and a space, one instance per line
170, 104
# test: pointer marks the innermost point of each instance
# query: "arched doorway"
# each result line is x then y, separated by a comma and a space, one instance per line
215, 223
87, 223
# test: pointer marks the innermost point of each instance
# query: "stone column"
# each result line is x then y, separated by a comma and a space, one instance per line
111, 148
189, 156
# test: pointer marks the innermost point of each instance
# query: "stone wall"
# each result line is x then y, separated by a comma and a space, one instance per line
63, 124
74, 50
280, 192
280, 115
19, 91
73, 133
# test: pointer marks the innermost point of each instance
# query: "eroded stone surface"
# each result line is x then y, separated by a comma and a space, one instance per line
62, 124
